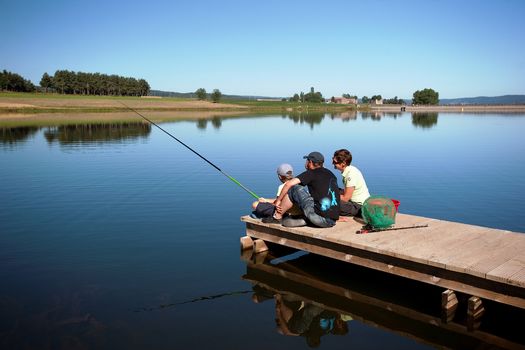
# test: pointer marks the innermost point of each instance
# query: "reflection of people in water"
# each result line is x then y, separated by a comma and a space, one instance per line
297, 318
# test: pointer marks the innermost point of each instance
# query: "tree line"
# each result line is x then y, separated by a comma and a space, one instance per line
310, 97
202, 95
78, 83
14, 82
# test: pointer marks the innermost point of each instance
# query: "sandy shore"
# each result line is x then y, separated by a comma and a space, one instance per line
47, 119
109, 103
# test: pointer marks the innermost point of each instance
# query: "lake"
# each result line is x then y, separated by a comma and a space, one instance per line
116, 236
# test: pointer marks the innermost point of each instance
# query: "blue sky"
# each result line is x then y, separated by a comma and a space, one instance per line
275, 48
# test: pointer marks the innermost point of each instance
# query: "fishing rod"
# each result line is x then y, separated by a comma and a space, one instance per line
366, 230
197, 153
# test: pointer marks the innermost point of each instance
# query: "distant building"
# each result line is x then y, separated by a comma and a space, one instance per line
376, 102
344, 100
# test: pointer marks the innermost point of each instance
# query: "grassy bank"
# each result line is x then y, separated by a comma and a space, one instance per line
31, 103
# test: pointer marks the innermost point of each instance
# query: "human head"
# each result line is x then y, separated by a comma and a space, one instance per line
285, 171
342, 156
316, 159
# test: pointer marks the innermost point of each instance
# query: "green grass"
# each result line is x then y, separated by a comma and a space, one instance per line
150, 104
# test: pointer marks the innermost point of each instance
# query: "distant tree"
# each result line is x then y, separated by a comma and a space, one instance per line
295, 98
394, 101
376, 97
46, 82
301, 96
365, 99
201, 94
15, 82
313, 97
3, 80
144, 87
216, 95
349, 96
425, 97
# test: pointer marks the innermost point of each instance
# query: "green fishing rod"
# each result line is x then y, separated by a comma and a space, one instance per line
197, 153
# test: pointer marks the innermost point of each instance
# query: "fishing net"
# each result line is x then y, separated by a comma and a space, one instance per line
379, 212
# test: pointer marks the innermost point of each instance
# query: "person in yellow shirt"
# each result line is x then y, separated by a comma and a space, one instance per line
355, 191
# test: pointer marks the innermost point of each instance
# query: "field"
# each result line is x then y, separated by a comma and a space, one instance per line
55, 103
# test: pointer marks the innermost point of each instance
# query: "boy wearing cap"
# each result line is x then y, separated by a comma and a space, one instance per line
315, 191
264, 206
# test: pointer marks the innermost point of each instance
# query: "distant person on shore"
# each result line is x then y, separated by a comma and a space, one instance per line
355, 191
264, 207
315, 191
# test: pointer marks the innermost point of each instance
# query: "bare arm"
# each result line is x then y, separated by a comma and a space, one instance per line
287, 185
347, 193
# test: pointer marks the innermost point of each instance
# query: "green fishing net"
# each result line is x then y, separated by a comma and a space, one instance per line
379, 212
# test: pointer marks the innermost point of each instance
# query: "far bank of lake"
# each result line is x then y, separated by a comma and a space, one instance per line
20, 105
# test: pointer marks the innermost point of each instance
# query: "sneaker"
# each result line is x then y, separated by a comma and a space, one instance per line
271, 220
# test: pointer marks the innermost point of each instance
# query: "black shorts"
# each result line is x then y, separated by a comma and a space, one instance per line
350, 209
264, 210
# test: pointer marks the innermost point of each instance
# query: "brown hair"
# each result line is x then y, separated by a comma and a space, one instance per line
343, 156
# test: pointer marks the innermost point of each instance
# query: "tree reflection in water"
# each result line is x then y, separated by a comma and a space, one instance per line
424, 120
96, 133
15, 135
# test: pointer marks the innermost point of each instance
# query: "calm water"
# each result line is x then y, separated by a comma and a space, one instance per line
116, 236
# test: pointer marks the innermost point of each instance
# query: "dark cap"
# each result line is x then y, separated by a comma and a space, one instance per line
315, 157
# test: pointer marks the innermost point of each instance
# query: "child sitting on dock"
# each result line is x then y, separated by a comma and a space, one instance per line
264, 206
355, 191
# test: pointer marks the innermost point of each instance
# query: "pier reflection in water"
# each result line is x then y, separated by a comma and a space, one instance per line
316, 297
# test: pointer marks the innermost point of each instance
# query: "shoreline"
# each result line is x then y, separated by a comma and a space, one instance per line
451, 108
23, 109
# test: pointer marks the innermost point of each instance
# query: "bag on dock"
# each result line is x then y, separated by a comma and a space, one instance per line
379, 212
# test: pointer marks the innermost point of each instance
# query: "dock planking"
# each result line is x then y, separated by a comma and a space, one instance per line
480, 261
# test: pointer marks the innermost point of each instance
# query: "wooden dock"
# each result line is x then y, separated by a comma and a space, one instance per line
478, 261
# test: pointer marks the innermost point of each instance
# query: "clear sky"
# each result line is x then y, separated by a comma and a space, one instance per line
275, 48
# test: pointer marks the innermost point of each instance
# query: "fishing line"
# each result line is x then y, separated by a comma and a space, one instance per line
197, 153
203, 298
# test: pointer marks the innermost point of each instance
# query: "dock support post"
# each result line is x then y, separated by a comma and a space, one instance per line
259, 246
246, 243
449, 305
475, 310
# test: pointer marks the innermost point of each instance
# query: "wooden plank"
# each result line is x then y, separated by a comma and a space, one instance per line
504, 272
497, 248
518, 278
511, 272
497, 256
479, 244
431, 251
